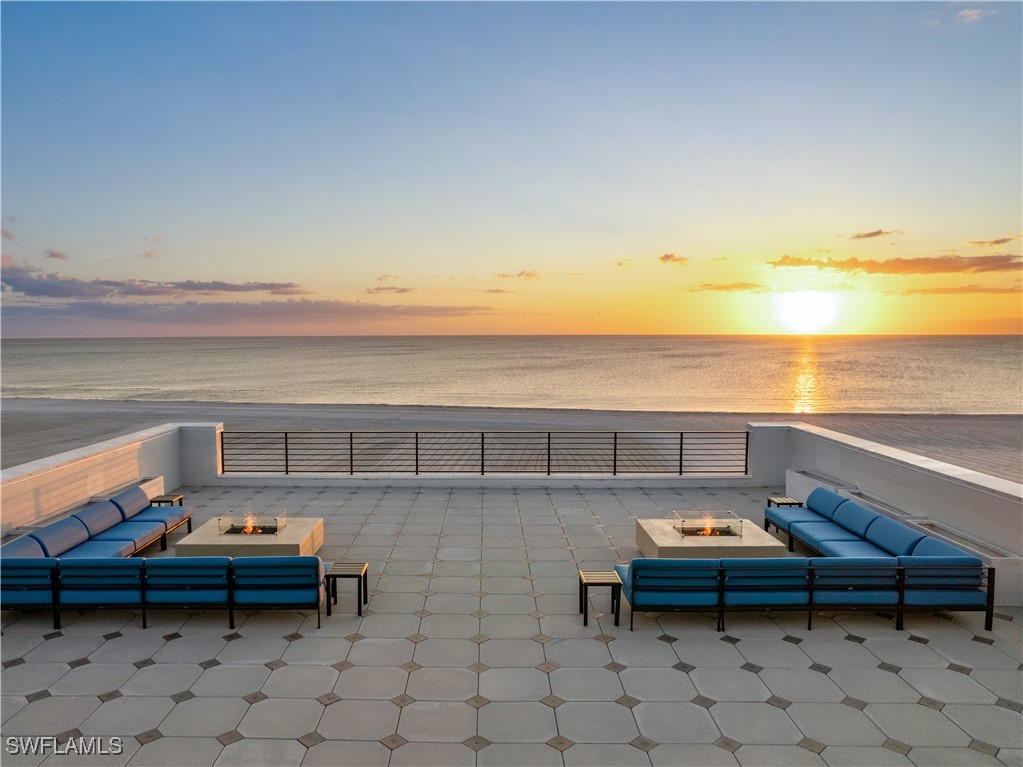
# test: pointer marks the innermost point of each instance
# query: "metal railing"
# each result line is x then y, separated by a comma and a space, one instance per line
488, 452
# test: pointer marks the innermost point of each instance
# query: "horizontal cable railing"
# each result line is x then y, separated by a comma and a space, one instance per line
488, 452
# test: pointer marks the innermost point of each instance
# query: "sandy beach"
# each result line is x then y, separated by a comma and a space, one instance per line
36, 428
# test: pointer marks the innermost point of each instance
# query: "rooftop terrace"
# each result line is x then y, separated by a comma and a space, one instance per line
472, 651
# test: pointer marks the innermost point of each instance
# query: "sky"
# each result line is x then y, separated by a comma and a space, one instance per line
334, 168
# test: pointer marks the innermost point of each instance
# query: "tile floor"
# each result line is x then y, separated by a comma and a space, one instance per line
472, 652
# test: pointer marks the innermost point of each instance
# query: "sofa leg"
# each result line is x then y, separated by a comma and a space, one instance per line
809, 619
230, 617
56, 618
318, 614
163, 542
989, 615
632, 614
189, 524
791, 542
767, 526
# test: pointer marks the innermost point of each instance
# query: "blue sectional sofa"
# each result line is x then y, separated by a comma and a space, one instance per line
291, 582
870, 561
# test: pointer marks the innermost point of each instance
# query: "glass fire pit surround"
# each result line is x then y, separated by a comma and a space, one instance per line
705, 535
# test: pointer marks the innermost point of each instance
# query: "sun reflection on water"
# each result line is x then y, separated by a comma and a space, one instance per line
807, 396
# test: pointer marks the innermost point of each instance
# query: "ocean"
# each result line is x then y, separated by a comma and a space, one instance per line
753, 374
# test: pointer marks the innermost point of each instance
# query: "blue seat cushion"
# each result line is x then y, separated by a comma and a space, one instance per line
140, 533
852, 516
766, 597
851, 549
99, 517
61, 536
894, 537
825, 502
131, 501
272, 596
25, 547
785, 515
94, 549
815, 533
26, 581
944, 597
168, 515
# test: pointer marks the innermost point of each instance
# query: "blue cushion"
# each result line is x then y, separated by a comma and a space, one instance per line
766, 597
854, 517
99, 517
855, 580
851, 549
131, 501
101, 581
26, 581
188, 580
786, 515
94, 549
670, 582
168, 515
934, 547
271, 596
24, 547
944, 597
61, 536
946, 573
815, 533
894, 537
774, 576
825, 502
140, 533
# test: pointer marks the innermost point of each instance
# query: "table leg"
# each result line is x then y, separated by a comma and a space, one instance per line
586, 604
616, 598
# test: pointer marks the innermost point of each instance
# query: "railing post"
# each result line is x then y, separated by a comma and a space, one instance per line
548, 454
745, 469
614, 460
417, 453
483, 453
286, 462
222, 465
681, 451
351, 452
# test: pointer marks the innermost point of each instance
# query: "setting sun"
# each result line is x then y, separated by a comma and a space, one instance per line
807, 311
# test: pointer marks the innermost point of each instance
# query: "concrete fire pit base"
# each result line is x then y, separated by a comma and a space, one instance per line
301, 535
657, 538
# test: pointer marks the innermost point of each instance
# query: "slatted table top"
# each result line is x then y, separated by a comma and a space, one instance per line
601, 578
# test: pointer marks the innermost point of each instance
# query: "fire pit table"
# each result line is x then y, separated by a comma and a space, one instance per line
253, 536
705, 535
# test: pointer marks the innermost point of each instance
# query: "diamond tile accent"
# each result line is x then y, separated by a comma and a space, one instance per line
560, 743
534, 594
897, 746
854, 638
426, 592
1009, 704
275, 664
294, 638
820, 668
728, 744
547, 667
113, 635
33, 697
855, 703
342, 666
416, 638
960, 669
329, 698
422, 613
537, 614
311, 739
232, 637
552, 700
984, 748
616, 667
628, 701
644, 744
255, 697
355, 637
476, 743
232, 736
1004, 616
480, 614
667, 638
410, 666
181, 697
53, 635
542, 638
402, 700
889, 667
211, 663
792, 639
605, 638
479, 639
811, 745
479, 668
703, 700
781, 703
730, 639
68, 735
79, 662
919, 640
480, 593
394, 741
751, 667
13, 662
148, 736
171, 637
983, 640
682, 666
478, 701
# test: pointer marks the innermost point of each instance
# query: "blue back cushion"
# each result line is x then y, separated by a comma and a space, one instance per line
25, 547
131, 501
99, 517
101, 581
672, 582
776, 573
934, 547
855, 518
894, 537
26, 581
271, 580
188, 579
824, 502
61, 536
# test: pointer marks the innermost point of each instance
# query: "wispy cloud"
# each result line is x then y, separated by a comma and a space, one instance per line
973, 15
389, 289
57, 254
6, 233
150, 254
498, 290
525, 274
923, 265
999, 241
671, 258
624, 262
386, 277
959, 290
731, 287
154, 238
875, 233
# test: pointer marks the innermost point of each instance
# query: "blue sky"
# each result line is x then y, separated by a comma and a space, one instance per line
505, 167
